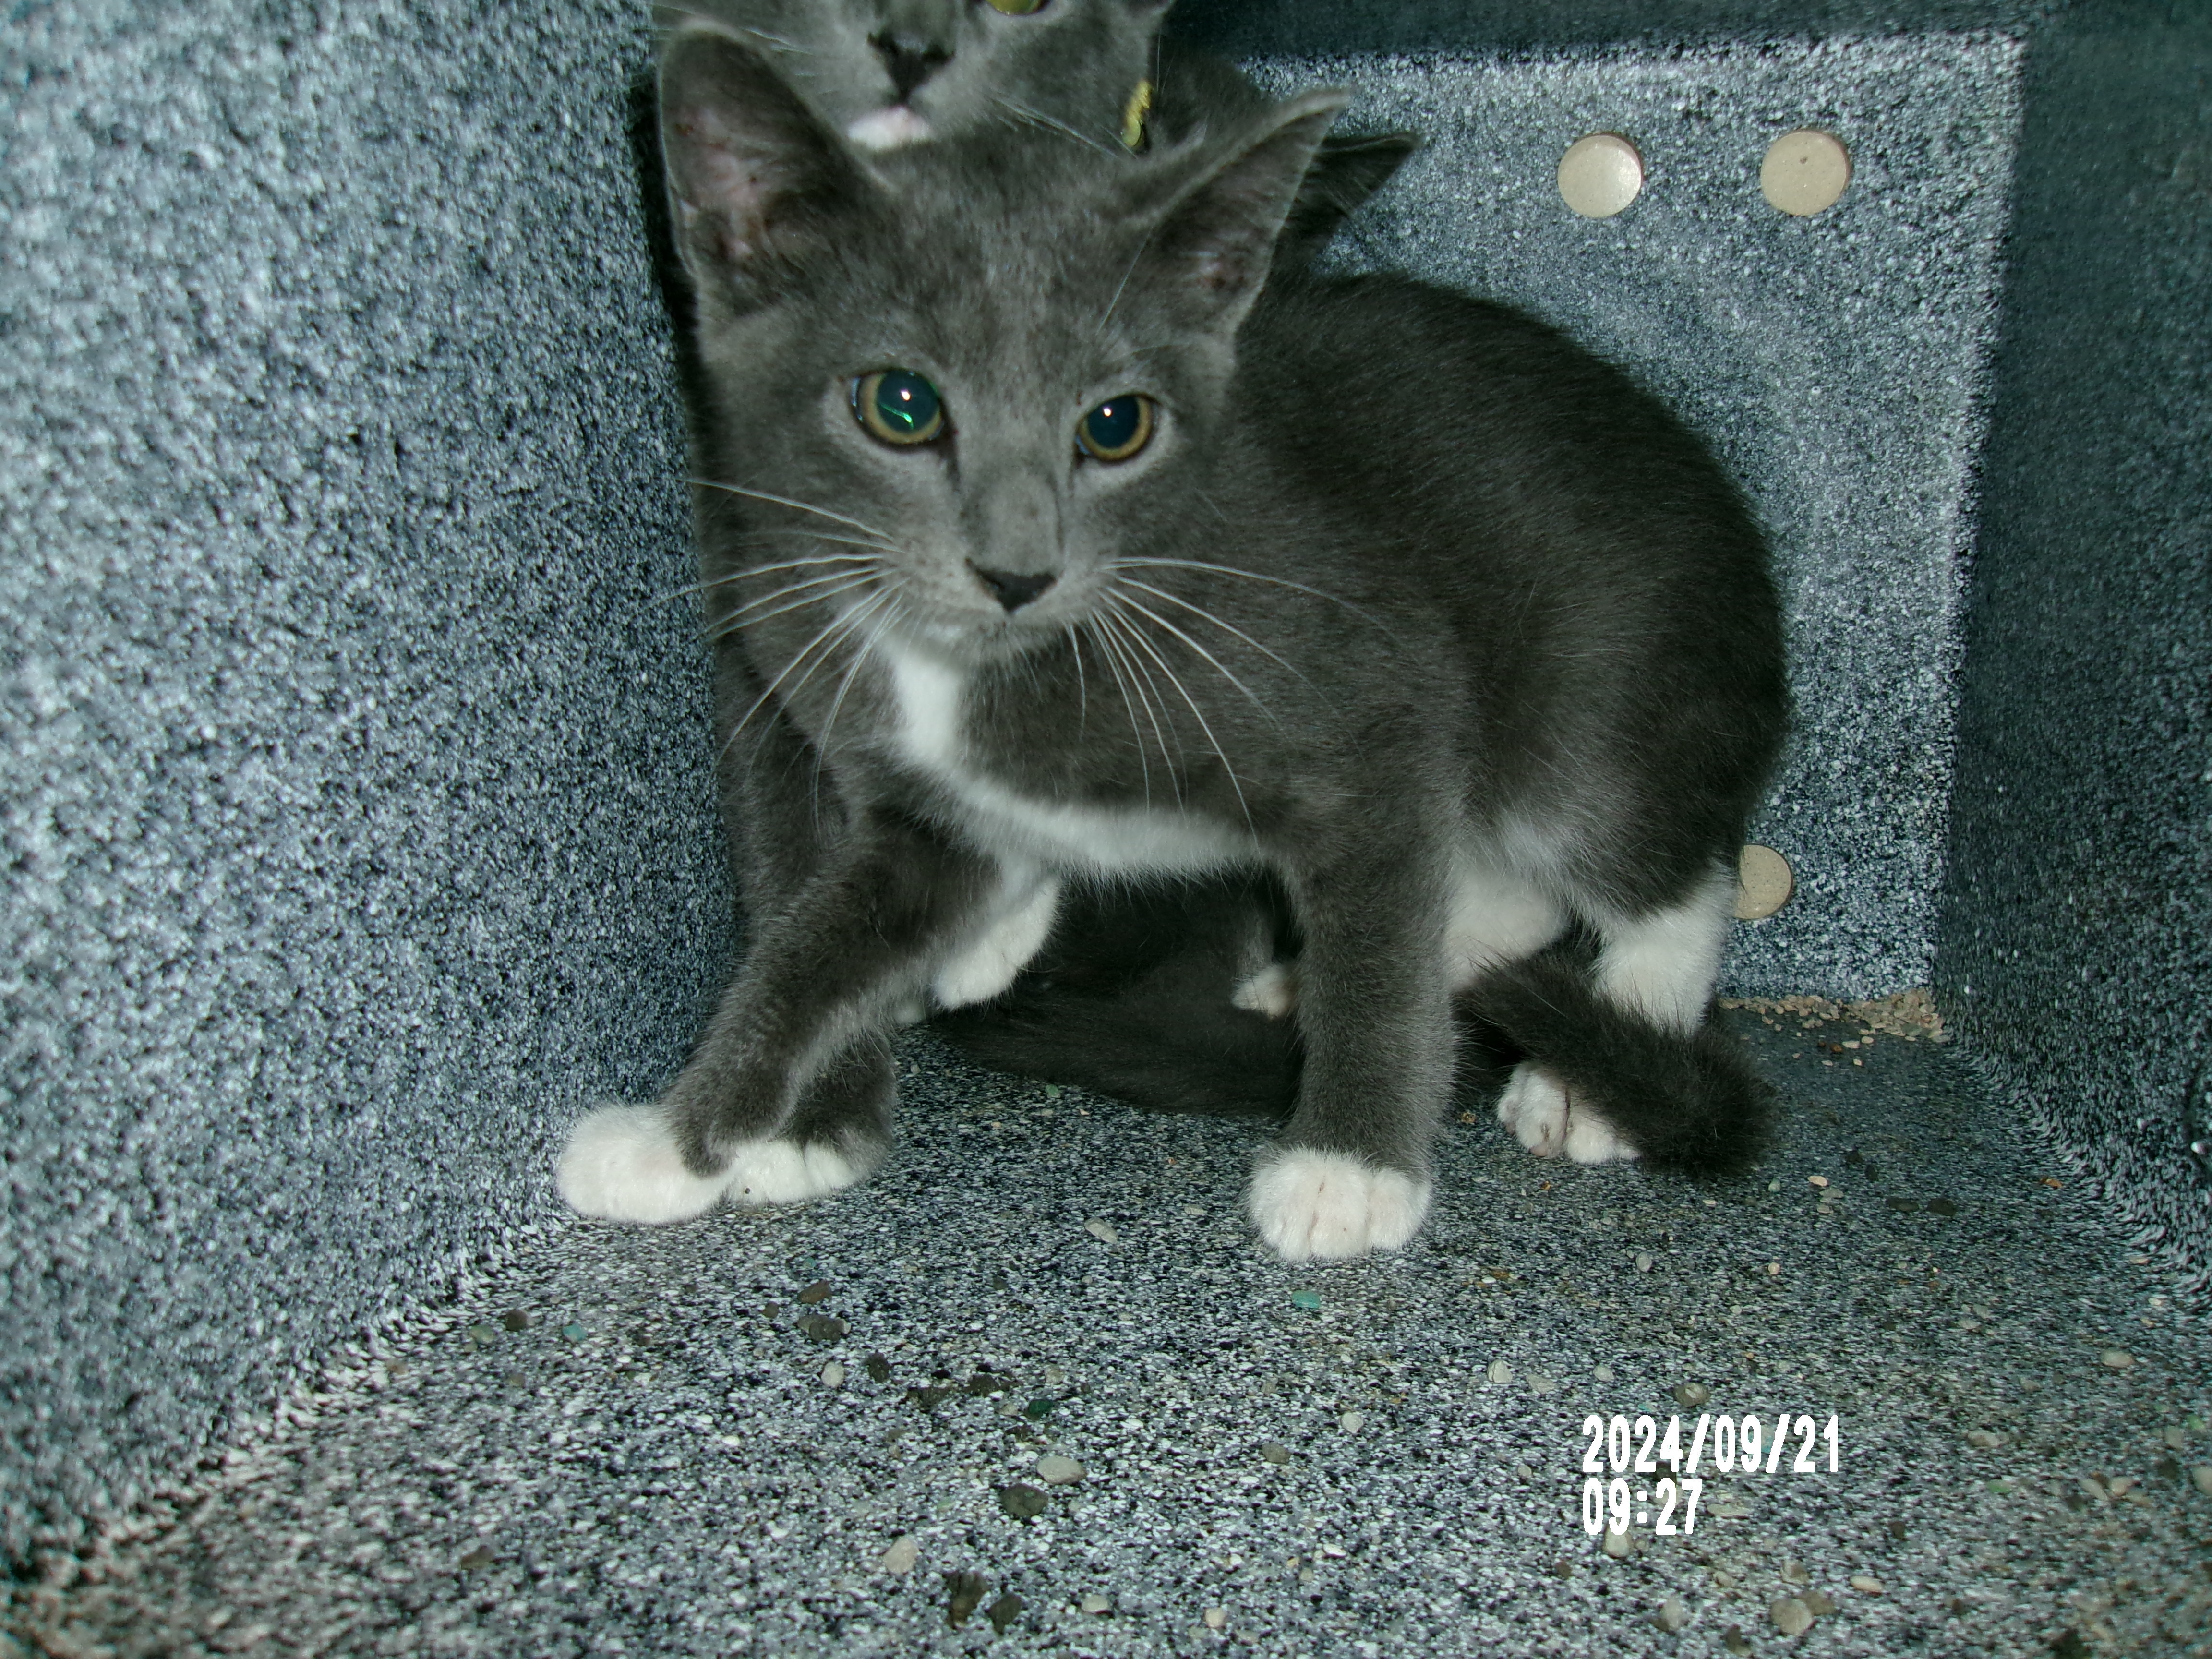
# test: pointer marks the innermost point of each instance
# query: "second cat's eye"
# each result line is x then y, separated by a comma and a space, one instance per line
899, 406
1018, 8
1117, 428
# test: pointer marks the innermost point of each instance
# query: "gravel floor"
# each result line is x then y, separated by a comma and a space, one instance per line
839, 1430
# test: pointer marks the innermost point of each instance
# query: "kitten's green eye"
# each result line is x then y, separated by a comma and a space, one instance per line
1018, 8
897, 406
1117, 428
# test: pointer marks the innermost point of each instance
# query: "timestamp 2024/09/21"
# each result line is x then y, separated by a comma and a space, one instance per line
1620, 1448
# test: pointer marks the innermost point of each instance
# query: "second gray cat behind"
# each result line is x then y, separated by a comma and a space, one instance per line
890, 73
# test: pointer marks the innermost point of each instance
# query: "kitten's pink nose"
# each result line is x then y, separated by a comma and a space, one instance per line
1010, 590
909, 60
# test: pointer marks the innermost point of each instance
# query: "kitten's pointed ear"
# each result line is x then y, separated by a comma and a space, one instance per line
1214, 241
755, 184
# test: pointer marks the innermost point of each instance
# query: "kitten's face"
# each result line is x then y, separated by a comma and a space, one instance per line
991, 377
888, 73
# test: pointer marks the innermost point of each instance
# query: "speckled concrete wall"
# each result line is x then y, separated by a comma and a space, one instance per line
356, 820
2077, 939
1836, 362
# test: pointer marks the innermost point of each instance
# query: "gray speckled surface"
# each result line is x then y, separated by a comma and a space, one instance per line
655, 1465
1836, 363
356, 820
2077, 949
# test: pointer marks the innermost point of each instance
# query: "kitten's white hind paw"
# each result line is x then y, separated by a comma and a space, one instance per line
1537, 1107
993, 963
786, 1172
620, 1165
1309, 1204
1274, 991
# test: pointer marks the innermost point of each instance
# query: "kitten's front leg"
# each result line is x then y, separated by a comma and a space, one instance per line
803, 1021
1350, 1172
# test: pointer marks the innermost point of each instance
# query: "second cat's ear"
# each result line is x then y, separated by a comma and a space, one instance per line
755, 184
1210, 249
1346, 172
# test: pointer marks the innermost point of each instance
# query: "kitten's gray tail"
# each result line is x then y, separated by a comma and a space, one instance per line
1687, 1102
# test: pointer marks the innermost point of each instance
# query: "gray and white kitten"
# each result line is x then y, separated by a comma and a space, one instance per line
1056, 542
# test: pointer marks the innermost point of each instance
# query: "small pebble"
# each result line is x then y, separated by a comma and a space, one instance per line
1274, 1451
1791, 1616
1215, 1618
877, 1367
2118, 1358
1540, 1384
475, 1560
1644, 1261
516, 1320
817, 1292
834, 1374
482, 1336
1793, 1573
572, 1331
1734, 1640
2201, 1475
1604, 1373
1984, 1439
1057, 1471
1037, 1410
1942, 1206
1309, 1300
965, 1596
1023, 1503
1094, 1602
1691, 1395
1003, 1611
1866, 1586
1194, 1209
1499, 1371
1774, 1186
1619, 1544
1103, 1231
1773, 1267
1673, 1613
1819, 1603
2176, 1437
904, 1551
1352, 1422
1818, 1181
821, 1327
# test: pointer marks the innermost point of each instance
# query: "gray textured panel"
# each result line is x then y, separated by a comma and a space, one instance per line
2078, 934
1836, 362
357, 817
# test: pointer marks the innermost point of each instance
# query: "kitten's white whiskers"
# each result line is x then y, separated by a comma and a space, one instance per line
1254, 575
1148, 690
1082, 690
883, 538
1202, 612
732, 622
1136, 732
830, 631
761, 570
1175, 680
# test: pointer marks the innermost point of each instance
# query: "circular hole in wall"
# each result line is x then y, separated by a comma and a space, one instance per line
1601, 174
1805, 172
1763, 882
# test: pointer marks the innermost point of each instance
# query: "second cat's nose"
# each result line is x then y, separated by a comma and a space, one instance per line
909, 59
1010, 590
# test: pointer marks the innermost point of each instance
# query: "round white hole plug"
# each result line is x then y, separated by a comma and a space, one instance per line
1763, 882
1601, 174
1805, 172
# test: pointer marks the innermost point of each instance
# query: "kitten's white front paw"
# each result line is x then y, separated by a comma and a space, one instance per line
786, 1172
621, 1164
1591, 1140
1274, 991
1309, 1204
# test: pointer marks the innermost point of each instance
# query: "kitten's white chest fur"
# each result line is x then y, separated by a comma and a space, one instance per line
931, 694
